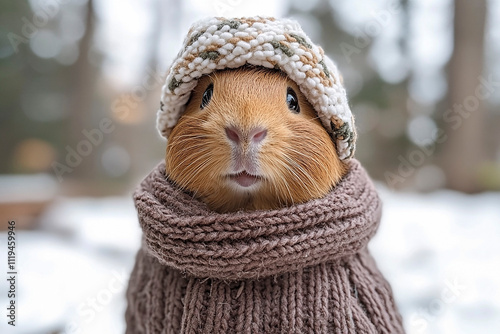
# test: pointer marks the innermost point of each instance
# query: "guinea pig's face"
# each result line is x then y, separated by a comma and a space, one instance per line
249, 140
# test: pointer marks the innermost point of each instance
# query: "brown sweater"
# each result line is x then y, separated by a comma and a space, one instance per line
301, 269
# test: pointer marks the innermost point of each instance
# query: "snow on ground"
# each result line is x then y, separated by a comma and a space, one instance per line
73, 272
440, 251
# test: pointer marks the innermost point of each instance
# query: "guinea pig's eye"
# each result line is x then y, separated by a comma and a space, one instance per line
292, 101
207, 95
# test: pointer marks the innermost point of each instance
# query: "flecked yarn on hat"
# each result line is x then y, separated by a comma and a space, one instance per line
219, 43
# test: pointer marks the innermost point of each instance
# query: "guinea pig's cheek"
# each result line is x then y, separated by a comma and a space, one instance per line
269, 163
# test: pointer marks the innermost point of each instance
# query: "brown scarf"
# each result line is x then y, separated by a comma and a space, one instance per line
300, 269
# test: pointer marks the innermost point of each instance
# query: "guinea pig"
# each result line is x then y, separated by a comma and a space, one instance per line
250, 140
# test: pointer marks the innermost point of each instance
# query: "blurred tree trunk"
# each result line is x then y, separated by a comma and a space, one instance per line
464, 149
83, 79
165, 17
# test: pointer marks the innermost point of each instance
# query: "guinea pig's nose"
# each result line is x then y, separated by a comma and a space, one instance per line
233, 134
258, 134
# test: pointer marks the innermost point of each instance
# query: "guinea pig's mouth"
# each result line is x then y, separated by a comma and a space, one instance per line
244, 179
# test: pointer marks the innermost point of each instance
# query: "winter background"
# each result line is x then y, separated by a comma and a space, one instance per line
423, 79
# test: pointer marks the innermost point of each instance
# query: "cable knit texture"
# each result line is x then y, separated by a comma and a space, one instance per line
300, 269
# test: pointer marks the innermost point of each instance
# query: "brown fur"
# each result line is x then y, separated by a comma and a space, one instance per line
298, 159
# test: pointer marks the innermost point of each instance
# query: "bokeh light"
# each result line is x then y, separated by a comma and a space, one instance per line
116, 161
45, 44
34, 155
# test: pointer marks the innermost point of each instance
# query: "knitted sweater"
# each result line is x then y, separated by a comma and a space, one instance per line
300, 269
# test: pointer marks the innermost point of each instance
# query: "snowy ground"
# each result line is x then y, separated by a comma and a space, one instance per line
441, 253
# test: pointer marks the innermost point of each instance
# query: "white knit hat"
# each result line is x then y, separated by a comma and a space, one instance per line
219, 43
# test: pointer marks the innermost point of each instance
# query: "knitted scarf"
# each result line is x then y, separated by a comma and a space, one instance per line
300, 269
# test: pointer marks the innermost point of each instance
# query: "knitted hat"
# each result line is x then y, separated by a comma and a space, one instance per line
219, 43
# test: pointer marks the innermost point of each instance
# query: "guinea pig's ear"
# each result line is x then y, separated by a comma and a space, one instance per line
335, 125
